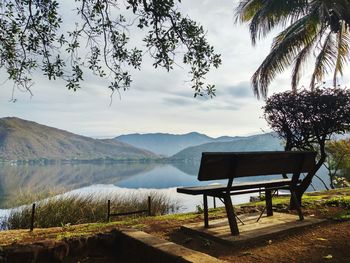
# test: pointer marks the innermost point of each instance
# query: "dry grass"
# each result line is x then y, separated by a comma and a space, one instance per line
80, 209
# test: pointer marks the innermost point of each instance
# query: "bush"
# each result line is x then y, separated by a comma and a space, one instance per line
339, 202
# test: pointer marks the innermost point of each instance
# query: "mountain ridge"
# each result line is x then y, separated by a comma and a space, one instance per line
260, 142
169, 144
27, 140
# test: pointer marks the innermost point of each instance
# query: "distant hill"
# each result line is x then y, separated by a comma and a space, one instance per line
26, 140
262, 142
169, 144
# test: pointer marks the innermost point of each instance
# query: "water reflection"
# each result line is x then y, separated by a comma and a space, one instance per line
165, 176
190, 168
62, 177
66, 177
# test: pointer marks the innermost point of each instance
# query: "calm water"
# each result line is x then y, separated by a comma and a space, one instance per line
102, 179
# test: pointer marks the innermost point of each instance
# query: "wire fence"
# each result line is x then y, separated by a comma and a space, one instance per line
147, 212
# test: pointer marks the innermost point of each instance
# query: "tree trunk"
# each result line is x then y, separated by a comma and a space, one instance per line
331, 178
305, 183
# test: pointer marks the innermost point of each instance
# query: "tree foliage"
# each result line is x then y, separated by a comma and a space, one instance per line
307, 119
338, 162
310, 28
98, 39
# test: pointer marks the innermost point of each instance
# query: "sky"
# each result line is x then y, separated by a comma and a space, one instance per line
158, 101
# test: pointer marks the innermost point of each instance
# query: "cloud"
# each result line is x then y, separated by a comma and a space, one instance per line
225, 107
161, 101
176, 101
239, 90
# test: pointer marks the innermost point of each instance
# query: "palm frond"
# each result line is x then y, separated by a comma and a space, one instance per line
286, 46
319, 27
343, 49
264, 15
301, 59
336, 12
325, 60
246, 9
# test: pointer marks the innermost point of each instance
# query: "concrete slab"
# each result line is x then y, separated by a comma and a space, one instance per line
251, 231
149, 248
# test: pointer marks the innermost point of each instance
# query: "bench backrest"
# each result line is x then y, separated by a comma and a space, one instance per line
229, 165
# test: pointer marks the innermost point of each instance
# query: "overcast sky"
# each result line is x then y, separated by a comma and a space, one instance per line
159, 101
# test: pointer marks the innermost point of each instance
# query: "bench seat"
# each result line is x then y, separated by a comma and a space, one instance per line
252, 186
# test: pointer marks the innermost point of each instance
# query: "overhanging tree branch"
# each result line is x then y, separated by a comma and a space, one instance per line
32, 39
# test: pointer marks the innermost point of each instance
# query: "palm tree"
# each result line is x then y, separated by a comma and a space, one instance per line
319, 28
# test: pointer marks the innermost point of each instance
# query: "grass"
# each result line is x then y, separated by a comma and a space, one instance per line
343, 202
169, 221
22, 236
344, 216
310, 199
66, 210
321, 201
28, 196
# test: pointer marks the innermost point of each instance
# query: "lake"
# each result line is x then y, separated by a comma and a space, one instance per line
103, 179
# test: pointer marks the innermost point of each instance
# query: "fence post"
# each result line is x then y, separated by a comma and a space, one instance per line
32, 218
149, 206
108, 209
214, 202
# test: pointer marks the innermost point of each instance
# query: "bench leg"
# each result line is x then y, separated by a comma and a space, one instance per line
231, 215
205, 208
268, 199
297, 206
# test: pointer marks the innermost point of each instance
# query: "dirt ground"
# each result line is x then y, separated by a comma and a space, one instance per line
328, 242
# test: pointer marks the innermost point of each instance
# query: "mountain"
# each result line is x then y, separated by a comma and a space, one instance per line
261, 142
169, 144
26, 140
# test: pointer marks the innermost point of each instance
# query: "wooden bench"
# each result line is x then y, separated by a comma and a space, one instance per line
231, 165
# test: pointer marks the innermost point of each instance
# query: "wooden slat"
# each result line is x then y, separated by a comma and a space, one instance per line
195, 190
129, 213
222, 165
239, 192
